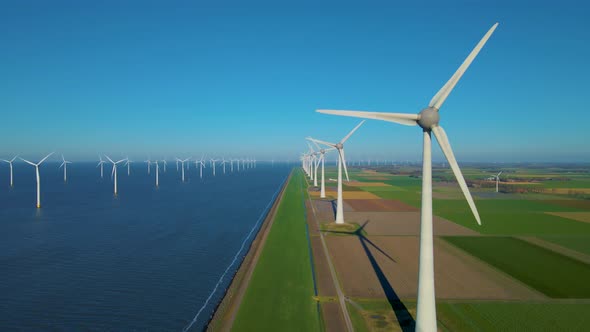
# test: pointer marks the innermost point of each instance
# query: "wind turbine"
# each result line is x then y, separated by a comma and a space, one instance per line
100, 163
223, 162
231, 165
182, 162
497, 177
157, 171
64, 164
341, 162
201, 164
165, 163
428, 120
38, 177
10, 163
322, 158
149, 165
128, 164
212, 161
114, 171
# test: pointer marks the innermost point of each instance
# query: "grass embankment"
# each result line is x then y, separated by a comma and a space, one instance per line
551, 273
280, 294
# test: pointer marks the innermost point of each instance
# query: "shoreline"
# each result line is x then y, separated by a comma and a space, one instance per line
225, 312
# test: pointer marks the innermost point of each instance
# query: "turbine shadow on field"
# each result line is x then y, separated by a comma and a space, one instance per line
404, 318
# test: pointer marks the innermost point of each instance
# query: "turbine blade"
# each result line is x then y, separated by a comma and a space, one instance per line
324, 142
440, 97
401, 118
42, 160
28, 162
443, 141
62, 164
13, 159
113, 171
344, 164
111, 160
351, 132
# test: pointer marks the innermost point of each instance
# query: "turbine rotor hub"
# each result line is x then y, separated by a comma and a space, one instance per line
429, 118
339, 146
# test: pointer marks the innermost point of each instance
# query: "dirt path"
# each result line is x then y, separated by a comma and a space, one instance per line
225, 314
341, 297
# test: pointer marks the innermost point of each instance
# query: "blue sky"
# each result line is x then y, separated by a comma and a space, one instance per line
165, 78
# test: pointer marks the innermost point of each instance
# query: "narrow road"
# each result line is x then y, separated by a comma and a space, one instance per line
341, 298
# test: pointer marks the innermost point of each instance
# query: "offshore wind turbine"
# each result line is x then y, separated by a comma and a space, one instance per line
223, 162
128, 164
10, 164
114, 171
64, 164
212, 161
182, 162
341, 162
157, 171
165, 163
149, 165
38, 177
201, 164
100, 163
428, 120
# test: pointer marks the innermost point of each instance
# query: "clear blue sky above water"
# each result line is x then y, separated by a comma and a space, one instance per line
167, 78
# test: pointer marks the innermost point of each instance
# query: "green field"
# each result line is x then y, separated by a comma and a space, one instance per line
551, 273
280, 293
578, 243
498, 316
376, 315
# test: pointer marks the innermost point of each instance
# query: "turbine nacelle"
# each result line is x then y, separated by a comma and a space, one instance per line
428, 118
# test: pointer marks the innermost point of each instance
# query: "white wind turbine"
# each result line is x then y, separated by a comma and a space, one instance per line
128, 164
114, 171
212, 161
64, 164
182, 161
223, 162
322, 158
101, 164
149, 165
10, 164
231, 165
201, 164
157, 175
428, 120
341, 162
38, 177
165, 164
497, 178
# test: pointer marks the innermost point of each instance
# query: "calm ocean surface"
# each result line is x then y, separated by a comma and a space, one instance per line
144, 261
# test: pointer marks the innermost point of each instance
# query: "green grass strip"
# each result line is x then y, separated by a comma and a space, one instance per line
280, 294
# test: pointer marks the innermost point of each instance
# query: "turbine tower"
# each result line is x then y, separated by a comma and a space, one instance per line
157, 176
149, 165
10, 164
100, 163
428, 120
64, 164
114, 171
341, 162
38, 177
